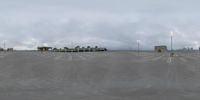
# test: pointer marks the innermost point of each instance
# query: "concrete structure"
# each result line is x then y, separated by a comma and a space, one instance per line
44, 48
55, 49
10, 49
161, 48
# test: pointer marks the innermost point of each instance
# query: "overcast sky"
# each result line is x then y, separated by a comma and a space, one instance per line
115, 24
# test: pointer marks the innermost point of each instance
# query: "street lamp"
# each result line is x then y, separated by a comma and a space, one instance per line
138, 43
171, 34
4, 44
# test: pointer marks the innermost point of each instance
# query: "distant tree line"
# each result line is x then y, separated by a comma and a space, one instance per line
76, 49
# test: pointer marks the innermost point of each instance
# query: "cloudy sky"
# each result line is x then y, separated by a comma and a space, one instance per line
115, 24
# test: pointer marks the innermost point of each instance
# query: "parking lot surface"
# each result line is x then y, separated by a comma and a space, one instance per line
119, 75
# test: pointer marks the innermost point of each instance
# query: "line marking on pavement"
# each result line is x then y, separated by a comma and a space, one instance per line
70, 58
192, 58
149, 57
169, 60
157, 58
82, 58
183, 60
58, 57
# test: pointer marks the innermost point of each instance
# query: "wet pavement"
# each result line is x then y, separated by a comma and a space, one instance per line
99, 76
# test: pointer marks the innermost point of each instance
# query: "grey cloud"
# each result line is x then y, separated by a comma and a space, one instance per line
114, 24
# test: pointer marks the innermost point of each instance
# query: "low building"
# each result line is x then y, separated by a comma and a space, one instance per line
10, 49
55, 49
161, 48
44, 48
102, 49
1, 49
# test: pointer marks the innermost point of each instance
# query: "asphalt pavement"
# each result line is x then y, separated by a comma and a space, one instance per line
119, 75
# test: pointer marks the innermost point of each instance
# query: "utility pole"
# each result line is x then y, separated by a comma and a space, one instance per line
171, 41
171, 34
4, 44
72, 44
138, 44
199, 50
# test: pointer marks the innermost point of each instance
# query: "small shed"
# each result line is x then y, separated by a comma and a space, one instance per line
161, 48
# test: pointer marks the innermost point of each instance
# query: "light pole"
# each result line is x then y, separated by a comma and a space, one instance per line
199, 49
171, 34
4, 44
171, 41
138, 43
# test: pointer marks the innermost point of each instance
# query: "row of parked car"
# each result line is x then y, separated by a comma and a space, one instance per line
76, 49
